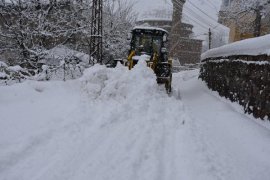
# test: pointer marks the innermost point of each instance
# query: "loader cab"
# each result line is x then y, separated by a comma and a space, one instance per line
148, 40
149, 44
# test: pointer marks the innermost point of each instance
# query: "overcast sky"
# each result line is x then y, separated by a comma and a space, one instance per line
144, 5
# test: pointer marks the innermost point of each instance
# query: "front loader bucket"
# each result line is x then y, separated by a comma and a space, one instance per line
164, 75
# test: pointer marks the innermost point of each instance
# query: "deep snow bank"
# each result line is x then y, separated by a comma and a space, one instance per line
120, 83
137, 126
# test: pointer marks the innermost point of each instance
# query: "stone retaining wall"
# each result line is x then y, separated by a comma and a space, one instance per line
245, 82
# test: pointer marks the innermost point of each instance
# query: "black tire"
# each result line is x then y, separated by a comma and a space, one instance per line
168, 85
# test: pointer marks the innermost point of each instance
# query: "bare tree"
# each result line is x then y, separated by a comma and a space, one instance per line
119, 19
30, 27
247, 14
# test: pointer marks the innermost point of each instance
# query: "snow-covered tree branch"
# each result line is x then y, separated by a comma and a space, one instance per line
252, 11
31, 27
119, 18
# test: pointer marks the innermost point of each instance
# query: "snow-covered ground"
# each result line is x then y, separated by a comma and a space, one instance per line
115, 124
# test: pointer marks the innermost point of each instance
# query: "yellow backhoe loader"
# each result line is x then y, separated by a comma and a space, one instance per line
149, 44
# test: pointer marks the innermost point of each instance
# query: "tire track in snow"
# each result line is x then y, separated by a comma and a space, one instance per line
218, 170
145, 126
204, 153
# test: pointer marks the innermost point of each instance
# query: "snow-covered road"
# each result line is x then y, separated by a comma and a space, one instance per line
232, 144
115, 124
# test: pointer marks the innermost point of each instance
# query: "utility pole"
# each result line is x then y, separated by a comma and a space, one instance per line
210, 38
259, 15
258, 21
96, 32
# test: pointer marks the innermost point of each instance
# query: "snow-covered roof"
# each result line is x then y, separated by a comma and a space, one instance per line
252, 47
150, 28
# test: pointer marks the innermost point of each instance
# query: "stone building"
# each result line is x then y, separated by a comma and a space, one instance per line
242, 24
182, 47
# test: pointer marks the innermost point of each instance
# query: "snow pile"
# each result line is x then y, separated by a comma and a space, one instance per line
16, 68
3, 75
12, 74
120, 83
2, 64
143, 57
63, 63
253, 46
56, 55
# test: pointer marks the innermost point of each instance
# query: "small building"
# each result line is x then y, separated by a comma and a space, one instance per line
182, 47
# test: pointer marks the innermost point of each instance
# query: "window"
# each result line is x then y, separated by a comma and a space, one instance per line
148, 44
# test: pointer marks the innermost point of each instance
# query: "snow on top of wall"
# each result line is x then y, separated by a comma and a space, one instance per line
253, 46
242, 61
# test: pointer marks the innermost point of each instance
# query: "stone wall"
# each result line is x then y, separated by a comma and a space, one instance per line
242, 81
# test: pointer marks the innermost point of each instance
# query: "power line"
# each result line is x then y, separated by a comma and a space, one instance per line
96, 32
201, 11
209, 2
199, 16
194, 20
197, 21
200, 19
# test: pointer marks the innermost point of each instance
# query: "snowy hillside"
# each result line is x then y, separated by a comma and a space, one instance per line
115, 124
